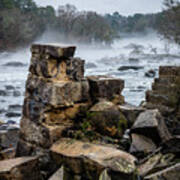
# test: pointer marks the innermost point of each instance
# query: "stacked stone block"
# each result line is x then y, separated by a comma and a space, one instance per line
165, 94
55, 92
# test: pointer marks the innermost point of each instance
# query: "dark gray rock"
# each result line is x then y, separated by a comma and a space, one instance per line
125, 68
9, 87
151, 124
16, 93
3, 93
14, 64
15, 107
105, 87
151, 73
13, 114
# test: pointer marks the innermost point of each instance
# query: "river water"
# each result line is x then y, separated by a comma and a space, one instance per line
135, 55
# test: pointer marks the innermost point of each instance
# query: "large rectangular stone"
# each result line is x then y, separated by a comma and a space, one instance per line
59, 70
20, 169
91, 159
42, 135
54, 50
57, 94
105, 87
157, 98
169, 71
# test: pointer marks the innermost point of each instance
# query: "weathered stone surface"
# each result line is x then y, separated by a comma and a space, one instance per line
54, 50
165, 96
9, 137
57, 94
131, 112
42, 135
20, 169
7, 154
58, 175
106, 119
75, 69
58, 70
104, 175
160, 99
172, 146
105, 87
141, 144
169, 71
147, 166
90, 159
155, 163
151, 124
65, 115
171, 173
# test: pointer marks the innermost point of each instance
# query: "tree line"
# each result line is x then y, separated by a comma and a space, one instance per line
22, 21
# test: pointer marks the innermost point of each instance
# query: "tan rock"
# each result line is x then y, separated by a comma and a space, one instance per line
53, 50
105, 87
42, 135
106, 119
85, 158
141, 144
58, 70
64, 115
20, 169
57, 94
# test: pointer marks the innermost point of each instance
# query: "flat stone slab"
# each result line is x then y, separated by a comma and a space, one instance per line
19, 169
54, 50
78, 155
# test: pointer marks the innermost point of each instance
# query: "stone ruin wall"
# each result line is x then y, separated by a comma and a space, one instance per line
62, 107
56, 92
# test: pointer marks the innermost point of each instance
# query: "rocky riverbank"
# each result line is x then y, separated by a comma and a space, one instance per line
81, 128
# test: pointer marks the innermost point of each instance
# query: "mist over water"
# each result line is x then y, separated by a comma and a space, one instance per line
144, 52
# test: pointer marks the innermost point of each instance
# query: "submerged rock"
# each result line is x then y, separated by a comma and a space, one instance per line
3, 93
151, 73
125, 68
14, 64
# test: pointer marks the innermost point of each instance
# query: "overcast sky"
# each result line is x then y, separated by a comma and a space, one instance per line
124, 7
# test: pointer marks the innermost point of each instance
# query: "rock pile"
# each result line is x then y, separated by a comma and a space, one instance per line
61, 102
165, 96
76, 127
